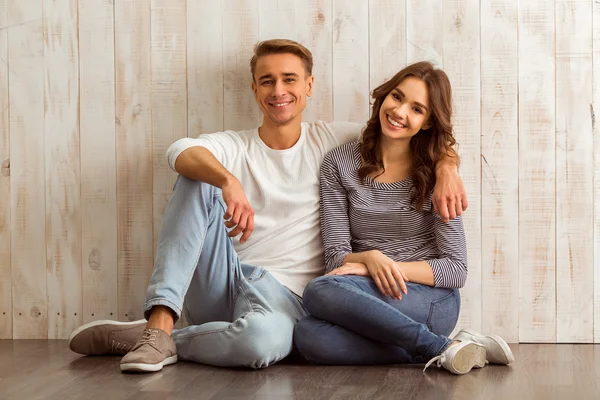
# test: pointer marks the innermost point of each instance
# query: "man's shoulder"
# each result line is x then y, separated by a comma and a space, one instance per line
337, 128
240, 137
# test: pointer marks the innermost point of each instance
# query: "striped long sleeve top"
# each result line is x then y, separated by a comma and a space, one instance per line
359, 217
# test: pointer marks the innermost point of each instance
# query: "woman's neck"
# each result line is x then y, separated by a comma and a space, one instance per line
396, 157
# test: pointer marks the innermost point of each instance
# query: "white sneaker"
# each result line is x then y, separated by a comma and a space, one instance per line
460, 358
497, 350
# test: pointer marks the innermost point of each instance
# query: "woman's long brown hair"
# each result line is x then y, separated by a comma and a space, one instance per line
429, 145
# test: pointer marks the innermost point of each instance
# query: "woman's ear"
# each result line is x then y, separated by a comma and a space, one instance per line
428, 124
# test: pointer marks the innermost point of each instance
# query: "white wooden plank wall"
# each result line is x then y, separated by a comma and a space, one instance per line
499, 176
596, 133
574, 172
5, 273
99, 264
134, 154
314, 27
27, 176
537, 178
350, 60
461, 61
62, 166
93, 92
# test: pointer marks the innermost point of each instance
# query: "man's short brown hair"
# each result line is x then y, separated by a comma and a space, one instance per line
282, 46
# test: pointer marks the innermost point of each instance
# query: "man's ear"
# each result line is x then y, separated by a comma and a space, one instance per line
254, 87
309, 81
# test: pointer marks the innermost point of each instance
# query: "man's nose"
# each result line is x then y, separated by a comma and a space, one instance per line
278, 89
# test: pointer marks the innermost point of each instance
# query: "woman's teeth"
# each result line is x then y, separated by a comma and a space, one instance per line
394, 123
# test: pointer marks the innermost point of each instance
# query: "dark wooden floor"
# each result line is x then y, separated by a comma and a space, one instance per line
48, 370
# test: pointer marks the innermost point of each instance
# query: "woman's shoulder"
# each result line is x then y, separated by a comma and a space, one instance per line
345, 155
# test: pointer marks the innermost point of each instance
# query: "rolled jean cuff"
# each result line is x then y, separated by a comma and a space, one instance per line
441, 349
162, 302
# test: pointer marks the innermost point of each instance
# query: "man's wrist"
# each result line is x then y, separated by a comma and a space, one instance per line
227, 180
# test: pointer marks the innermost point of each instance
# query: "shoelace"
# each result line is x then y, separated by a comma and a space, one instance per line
148, 337
437, 360
115, 347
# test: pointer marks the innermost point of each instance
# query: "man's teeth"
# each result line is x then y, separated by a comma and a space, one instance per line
281, 104
396, 124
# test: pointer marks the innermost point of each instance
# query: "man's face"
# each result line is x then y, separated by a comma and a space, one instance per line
281, 86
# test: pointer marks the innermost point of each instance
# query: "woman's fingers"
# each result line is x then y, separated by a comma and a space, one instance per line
394, 291
379, 285
397, 272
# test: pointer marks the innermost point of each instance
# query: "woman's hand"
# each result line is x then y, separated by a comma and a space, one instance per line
386, 273
358, 269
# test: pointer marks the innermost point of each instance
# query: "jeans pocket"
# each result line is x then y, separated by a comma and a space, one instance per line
443, 313
257, 274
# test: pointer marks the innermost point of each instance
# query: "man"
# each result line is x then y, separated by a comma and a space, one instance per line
242, 296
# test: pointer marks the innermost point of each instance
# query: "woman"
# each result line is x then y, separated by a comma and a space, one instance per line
393, 266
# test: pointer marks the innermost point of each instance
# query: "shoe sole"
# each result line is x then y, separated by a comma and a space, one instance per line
143, 367
469, 357
102, 322
501, 342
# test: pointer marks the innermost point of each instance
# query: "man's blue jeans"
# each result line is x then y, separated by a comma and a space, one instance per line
351, 322
240, 315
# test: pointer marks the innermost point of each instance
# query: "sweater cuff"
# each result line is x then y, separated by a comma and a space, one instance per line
336, 261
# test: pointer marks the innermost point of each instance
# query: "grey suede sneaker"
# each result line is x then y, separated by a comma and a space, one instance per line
106, 337
151, 353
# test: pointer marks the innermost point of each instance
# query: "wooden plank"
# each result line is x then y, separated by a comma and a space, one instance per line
596, 133
350, 60
240, 21
5, 273
537, 178
277, 20
500, 174
204, 67
169, 95
63, 174
574, 178
314, 28
387, 39
424, 29
26, 102
134, 154
98, 164
461, 62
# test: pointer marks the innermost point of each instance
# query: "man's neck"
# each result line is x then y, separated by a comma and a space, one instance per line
280, 137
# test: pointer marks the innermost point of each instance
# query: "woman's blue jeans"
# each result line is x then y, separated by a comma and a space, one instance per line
351, 322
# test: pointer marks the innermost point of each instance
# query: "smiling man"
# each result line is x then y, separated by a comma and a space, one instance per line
240, 237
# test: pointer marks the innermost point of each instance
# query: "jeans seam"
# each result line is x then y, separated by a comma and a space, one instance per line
244, 295
193, 335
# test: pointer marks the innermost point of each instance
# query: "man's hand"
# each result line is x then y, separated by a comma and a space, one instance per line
449, 195
239, 214
386, 273
358, 269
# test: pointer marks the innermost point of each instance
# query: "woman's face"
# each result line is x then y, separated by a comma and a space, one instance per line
406, 110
